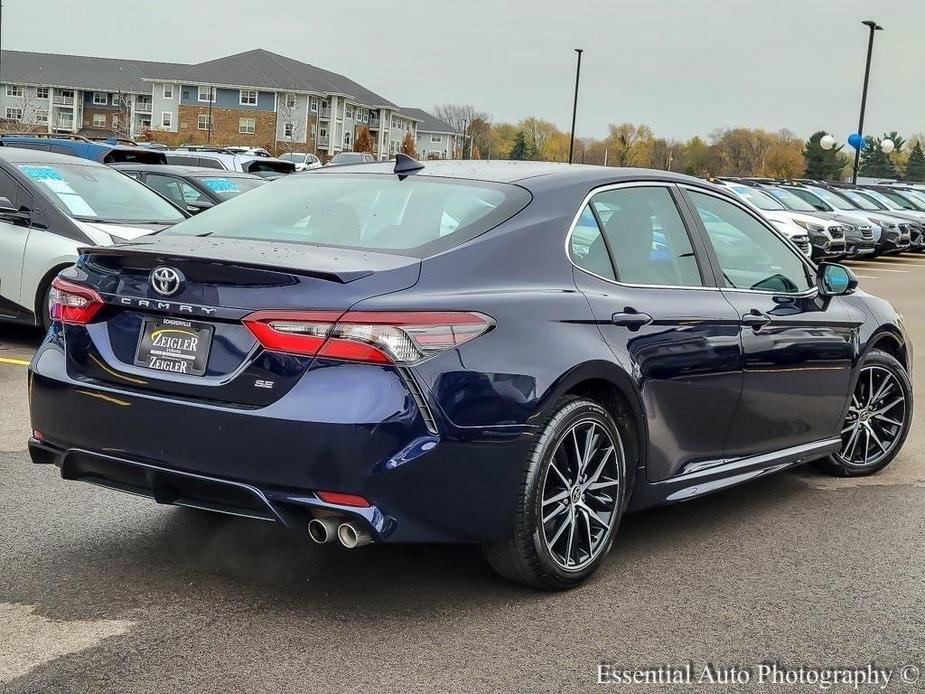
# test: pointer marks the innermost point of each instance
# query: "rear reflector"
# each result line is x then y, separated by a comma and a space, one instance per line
72, 303
388, 337
343, 499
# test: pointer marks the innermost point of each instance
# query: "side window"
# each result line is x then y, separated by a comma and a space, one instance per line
10, 189
647, 237
586, 246
168, 186
750, 255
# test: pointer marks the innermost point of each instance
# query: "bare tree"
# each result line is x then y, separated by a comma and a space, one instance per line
287, 111
458, 116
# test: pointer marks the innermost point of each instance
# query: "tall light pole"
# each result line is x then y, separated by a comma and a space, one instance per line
870, 49
571, 143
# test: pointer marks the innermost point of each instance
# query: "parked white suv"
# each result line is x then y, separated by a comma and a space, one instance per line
782, 218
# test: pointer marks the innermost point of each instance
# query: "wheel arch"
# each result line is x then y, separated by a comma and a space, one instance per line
613, 388
42, 287
887, 338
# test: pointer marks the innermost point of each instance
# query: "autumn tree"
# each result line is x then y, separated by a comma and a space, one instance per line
364, 141
522, 148
915, 165
407, 145
628, 144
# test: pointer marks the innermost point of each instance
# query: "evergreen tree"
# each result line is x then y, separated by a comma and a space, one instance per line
875, 163
915, 167
823, 164
522, 148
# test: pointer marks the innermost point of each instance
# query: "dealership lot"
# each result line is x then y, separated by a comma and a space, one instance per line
102, 591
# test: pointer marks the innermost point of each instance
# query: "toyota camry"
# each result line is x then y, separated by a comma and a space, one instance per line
512, 354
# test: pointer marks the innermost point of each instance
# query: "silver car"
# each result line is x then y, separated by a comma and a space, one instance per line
51, 205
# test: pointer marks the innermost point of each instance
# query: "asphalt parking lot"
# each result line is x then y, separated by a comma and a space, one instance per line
105, 592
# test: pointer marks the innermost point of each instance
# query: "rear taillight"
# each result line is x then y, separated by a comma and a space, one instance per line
368, 336
72, 303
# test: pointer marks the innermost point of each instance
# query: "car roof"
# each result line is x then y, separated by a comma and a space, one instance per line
180, 170
530, 173
26, 155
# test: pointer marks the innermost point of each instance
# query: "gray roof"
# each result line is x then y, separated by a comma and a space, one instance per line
263, 69
256, 68
428, 123
78, 71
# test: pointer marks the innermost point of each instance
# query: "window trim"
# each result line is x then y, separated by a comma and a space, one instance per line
711, 253
167, 113
705, 262
199, 118
164, 90
98, 120
208, 93
242, 92
38, 89
11, 91
102, 101
241, 126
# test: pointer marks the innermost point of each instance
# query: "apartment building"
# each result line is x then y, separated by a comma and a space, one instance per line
436, 139
253, 98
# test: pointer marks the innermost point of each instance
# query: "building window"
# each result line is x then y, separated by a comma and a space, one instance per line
206, 94
313, 131
248, 97
436, 138
41, 92
396, 123
100, 98
349, 110
323, 132
115, 122
168, 91
41, 115
204, 122
288, 130
248, 126
346, 138
313, 104
290, 100
166, 119
99, 120
13, 90
13, 113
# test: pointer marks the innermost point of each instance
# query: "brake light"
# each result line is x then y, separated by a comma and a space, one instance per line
72, 303
397, 337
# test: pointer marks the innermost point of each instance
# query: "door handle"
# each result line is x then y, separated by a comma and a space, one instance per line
631, 319
756, 319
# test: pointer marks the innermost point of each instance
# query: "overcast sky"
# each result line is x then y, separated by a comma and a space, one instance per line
683, 67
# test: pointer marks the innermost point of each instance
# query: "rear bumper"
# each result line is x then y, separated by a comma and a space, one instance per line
358, 432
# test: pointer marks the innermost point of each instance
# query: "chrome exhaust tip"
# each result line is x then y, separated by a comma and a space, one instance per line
323, 530
351, 536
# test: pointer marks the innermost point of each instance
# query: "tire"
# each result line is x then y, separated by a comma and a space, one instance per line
884, 433
551, 555
43, 320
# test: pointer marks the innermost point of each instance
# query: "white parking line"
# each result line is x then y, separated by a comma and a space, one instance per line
879, 269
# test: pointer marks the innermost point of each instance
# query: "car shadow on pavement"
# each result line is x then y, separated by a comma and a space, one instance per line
172, 555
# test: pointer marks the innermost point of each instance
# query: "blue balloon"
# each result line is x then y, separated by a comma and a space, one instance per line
855, 140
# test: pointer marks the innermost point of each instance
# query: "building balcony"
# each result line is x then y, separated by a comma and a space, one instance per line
61, 100
63, 124
324, 113
373, 123
324, 141
143, 107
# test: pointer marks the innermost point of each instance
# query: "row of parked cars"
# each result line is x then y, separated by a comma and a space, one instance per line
834, 221
59, 193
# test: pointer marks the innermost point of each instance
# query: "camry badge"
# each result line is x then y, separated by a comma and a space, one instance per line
166, 281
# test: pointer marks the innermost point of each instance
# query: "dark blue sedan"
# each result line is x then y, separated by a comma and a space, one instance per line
504, 353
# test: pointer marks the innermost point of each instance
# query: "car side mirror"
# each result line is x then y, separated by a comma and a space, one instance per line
833, 279
10, 213
198, 206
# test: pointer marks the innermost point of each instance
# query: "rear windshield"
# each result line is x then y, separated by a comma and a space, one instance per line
416, 216
258, 167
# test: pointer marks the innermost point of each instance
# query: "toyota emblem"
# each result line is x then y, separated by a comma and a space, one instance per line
166, 281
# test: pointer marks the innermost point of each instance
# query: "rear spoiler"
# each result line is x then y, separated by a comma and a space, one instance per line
340, 265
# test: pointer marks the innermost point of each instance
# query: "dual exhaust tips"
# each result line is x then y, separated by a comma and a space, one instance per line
323, 530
